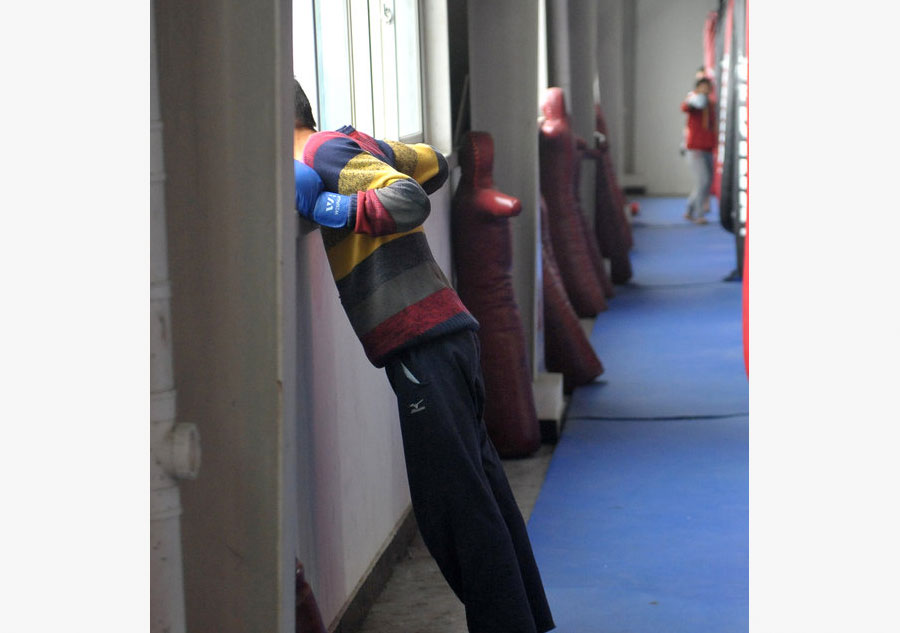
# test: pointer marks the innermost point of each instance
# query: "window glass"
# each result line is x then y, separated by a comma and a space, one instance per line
361, 53
305, 52
367, 69
333, 64
409, 85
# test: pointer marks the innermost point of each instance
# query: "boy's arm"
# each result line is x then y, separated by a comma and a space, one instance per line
383, 200
424, 163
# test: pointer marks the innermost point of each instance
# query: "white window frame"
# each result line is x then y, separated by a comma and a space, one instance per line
372, 41
304, 53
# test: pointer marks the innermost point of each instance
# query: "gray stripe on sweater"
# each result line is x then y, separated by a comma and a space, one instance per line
407, 203
396, 294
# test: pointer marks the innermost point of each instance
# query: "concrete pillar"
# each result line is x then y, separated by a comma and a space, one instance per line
613, 41
582, 20
174, 447
558, 46
503, 50
226, 99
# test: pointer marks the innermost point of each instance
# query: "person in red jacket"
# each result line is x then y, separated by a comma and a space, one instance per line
700, 142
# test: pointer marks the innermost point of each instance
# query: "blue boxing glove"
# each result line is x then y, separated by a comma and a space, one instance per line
308, 186
322, 207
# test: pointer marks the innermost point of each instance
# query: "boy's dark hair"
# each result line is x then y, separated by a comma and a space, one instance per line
703, 80
303, 116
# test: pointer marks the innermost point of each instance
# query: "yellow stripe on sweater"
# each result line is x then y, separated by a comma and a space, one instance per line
418, 160
427, 167
364, 172
350, 251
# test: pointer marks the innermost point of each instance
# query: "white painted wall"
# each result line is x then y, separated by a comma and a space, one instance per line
669, 50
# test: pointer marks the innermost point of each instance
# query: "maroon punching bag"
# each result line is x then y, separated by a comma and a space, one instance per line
610, 225
557, 159
307, 618
566, 348
482, 250
610, 172
593, 247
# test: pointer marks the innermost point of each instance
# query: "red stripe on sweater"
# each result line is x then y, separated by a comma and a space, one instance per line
367, 143
315, 142
372, 218
411, 322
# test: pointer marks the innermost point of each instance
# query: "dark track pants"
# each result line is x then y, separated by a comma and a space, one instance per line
460, 495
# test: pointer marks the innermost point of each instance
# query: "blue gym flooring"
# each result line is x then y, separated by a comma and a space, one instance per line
642, 523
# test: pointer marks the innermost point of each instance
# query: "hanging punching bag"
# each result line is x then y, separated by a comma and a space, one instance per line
709, 44
482, 250
730, 175
566, 348
609, 221
593, 247
746, 268
724, 156
557, 162
307, 618
622, 207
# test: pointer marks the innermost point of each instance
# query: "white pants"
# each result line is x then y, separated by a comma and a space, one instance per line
701, 163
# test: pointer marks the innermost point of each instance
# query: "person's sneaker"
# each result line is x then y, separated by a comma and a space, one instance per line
701, 220
687, 216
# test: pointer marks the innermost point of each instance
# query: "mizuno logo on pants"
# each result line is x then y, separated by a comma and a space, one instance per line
416, 407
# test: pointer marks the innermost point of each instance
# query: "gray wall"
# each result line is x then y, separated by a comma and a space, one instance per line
669, 48
226, 103
610, 67
647, 52
583, 68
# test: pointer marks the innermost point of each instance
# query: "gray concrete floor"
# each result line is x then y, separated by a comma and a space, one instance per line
416, 598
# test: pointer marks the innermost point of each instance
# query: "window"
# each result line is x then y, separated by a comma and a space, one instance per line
305, 52
409, 93
368, 69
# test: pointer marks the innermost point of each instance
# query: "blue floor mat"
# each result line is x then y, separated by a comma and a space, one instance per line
668, 353
669, 211
642, 522
680, 255
642, 527
669, 250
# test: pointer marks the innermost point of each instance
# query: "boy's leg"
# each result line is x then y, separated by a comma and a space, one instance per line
461, 523
695, 160
706, 181
493, 468
689, 212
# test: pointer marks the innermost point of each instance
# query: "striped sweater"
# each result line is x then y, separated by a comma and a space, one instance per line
393, 291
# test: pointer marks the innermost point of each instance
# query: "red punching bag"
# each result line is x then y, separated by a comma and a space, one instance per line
611, 227
307, 618
558, 163
482, 249
593, 247
566, 348
746, 278
622, 207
